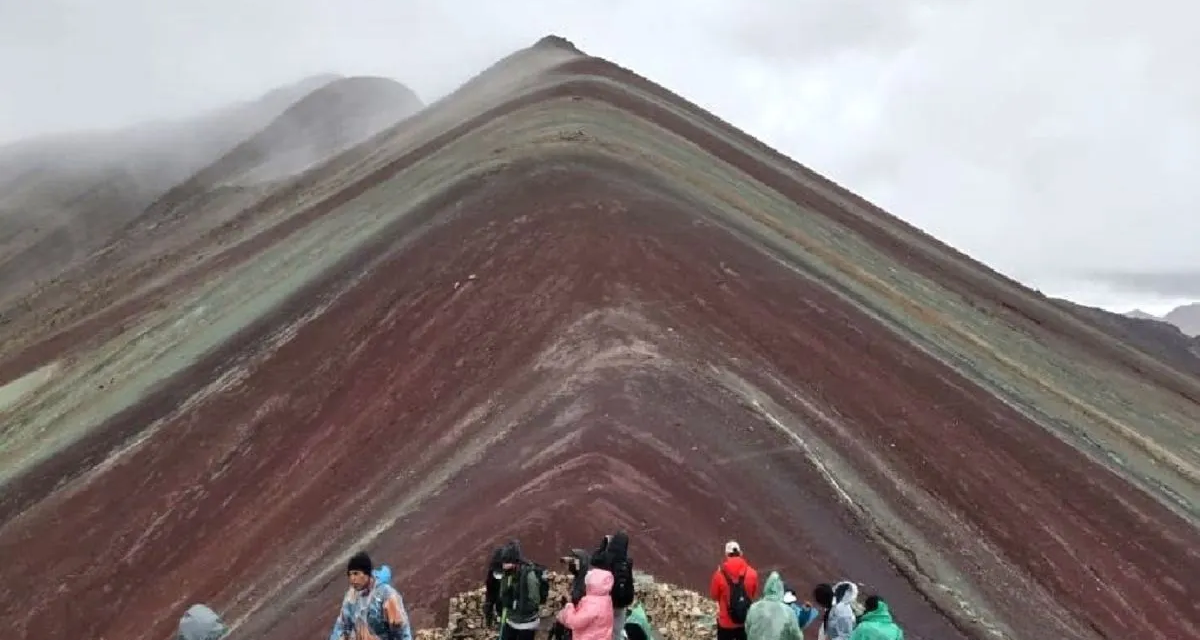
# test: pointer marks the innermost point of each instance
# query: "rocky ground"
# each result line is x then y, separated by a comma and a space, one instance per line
677, 613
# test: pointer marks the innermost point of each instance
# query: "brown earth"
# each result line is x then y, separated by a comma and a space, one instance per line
555, 346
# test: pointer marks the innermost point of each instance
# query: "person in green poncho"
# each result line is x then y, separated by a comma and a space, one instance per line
770, 618
876, 622
637, 624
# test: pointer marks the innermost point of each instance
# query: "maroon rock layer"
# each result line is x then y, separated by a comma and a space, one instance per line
550, 350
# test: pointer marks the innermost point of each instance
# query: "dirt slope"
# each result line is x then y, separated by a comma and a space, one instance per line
564, 300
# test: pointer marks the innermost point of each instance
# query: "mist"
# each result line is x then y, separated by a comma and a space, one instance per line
1054, 141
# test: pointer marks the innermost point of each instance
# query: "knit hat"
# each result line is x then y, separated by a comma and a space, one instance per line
823, 595
360, 562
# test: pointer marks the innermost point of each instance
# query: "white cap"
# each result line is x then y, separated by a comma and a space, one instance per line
732, 547
789, 597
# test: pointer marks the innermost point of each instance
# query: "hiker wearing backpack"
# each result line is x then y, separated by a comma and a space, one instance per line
771, 618
592, 618
734, 586
613, 555
876, 622
372, 609
523, 590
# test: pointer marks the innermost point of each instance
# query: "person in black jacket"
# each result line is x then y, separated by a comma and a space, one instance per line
613, 556
491, 597
519, 597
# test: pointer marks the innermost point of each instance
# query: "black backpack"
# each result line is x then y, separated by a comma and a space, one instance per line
622, 591
621, 567
739, 600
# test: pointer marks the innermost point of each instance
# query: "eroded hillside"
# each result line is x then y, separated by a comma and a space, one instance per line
556, 302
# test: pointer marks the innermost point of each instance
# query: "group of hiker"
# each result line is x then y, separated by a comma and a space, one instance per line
743, 613
602, 602
599, 606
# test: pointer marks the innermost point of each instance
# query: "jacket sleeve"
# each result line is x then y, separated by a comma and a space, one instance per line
491, 591
752, 584
397, 618
714, 585
343, 627
576, 618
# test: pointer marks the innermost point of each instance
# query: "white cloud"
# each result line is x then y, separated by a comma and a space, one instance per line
1050, 139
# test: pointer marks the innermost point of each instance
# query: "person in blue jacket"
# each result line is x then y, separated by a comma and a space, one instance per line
805, 612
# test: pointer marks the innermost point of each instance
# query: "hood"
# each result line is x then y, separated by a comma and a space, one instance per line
735, 565
618, 546
598, 582
773, 589
844, 592
200, 623
383, 575
511, 552
881, 613
494, 565
600, 555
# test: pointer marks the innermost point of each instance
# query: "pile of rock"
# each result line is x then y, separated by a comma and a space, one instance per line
677, 613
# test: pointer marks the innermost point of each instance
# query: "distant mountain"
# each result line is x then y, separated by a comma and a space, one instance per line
1148, 333
1141, 315
323, 123
1186, 318
63, 197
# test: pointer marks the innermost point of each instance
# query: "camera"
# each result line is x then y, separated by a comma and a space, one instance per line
572, 563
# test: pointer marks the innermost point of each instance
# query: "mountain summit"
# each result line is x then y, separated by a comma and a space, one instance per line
556, 303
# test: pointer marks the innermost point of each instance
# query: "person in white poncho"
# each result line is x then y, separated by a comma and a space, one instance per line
840, 603
201, 623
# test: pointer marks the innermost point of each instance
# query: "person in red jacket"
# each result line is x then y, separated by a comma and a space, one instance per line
737, 569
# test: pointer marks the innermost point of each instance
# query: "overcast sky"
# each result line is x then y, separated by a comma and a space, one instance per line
1057, 140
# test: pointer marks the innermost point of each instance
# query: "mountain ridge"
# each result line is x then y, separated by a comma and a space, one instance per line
64, 195
561, 302
1185, 317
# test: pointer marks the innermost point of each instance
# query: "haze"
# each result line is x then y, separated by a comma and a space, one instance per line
1055, 141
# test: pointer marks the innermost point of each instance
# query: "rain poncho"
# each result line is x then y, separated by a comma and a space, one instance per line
200, 623
877, 624
771, 618
840, 624
637, 618
377, 614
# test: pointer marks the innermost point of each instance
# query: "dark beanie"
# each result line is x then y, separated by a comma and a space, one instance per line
360, 562
872, 603
823, 595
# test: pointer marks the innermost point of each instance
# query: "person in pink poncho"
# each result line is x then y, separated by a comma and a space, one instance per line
592, 618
